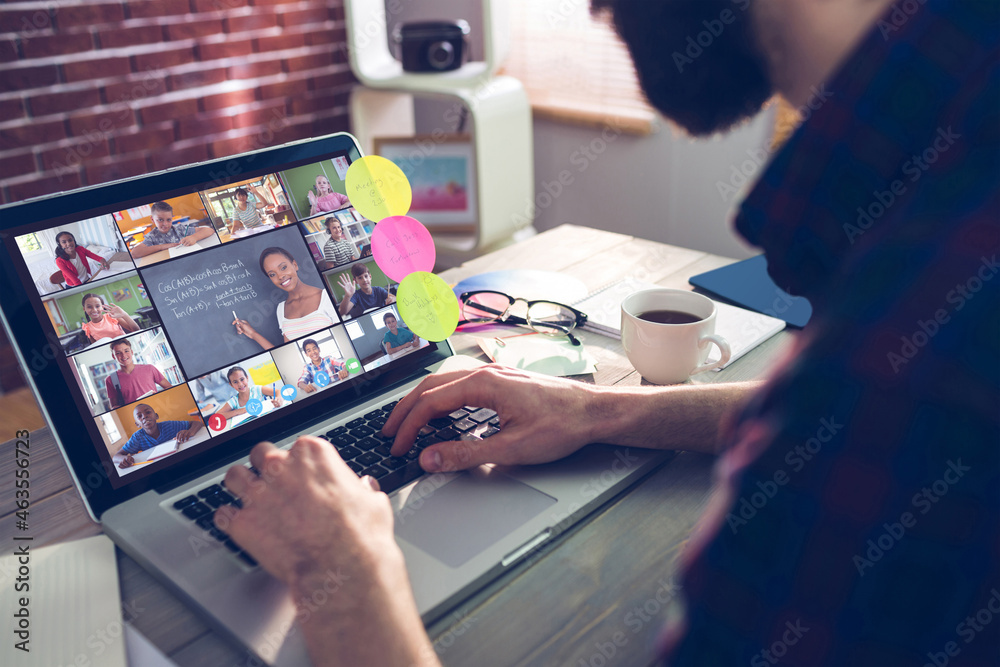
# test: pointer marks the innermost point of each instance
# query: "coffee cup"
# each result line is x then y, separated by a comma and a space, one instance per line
667, 334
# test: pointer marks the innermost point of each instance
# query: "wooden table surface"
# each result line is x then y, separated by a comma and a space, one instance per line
599, 596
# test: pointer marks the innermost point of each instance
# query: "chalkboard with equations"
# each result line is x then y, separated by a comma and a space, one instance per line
197, 294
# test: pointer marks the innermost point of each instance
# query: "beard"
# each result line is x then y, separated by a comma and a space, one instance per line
697, 60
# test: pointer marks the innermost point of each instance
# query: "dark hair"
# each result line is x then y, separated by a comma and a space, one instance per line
232, 370
385, 318
273, 251
91, 295
123, 341
241, 191
161, 206
59, 251
359, 269
307, 342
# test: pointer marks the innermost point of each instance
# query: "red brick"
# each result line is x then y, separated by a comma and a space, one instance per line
196, 78
169, 57
135, 89
254, 70
332, 80
49, 103
30, 134
312, 61
228, 49
115, 168
56, 45
307, 104
75, 153
156, 113
268, 3
279, 42
218, 5
326, 36
193, 29
24, 21
258, 21
43, 185
24, 78
337, 13
12, 108
147, 139
275, 111
164, 159
87, 15
303, 16
115, 37
18, 164
283, 89
203, 125
230, 99
8, 51
82, 70
103, 122
151, 8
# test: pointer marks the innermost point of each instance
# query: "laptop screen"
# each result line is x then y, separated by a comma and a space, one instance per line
182, 316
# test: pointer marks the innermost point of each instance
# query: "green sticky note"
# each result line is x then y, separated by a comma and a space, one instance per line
427, 305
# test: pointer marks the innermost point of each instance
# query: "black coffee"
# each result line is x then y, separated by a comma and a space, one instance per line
669, 317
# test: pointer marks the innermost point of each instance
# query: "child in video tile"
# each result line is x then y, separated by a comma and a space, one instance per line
247, 210
335, 370
245, 390
72, 260
134, 380
165, 234
338, 250
362, 296
325, 199
152, 433
397, 337
105, 321
306, 308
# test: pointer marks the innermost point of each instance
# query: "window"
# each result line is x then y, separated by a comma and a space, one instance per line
109, 427
574, 66
28, 243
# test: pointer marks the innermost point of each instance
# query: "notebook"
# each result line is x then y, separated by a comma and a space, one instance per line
748, 284
471, 527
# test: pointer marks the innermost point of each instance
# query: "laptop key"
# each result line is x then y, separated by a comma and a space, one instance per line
343, 439
210, 491
377, 423
394, 462
425, 430
206, 522
492, 430
196, 511
398, 478
439, 422
447, 434
483, 415
375, 471
368, 458
387, 408
427, 441
354, 423
348, 452
218, 534
383, 450
368, 443
355, 466
495, 422
185, 501
458, 414
334, 432
373, 414
225, 497
362, 431
464, 424
215, 501
413, 454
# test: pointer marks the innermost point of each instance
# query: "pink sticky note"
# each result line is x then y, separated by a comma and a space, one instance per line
402, 245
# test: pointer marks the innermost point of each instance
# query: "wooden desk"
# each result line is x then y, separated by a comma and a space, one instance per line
606, 582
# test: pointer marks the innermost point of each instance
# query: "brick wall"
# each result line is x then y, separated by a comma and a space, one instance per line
92, 91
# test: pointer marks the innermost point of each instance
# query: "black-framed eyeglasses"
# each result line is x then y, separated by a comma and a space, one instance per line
547, 317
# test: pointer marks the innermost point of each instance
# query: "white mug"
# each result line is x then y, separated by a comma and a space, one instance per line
670, 353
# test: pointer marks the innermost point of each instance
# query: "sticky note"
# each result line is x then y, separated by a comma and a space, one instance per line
402, 245
378, 188
427, 305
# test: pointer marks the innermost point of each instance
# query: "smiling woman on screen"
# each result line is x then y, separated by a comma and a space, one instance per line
306, 308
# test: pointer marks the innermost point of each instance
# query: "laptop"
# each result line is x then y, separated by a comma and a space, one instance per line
190, 360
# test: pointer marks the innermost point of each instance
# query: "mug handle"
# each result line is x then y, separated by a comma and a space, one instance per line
723, 348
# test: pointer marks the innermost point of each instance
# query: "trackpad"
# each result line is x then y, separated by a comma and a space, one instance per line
466, 515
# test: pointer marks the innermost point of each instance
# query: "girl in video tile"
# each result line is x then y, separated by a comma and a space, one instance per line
325, 199
246, 390
105, 321
72, 260
306, 308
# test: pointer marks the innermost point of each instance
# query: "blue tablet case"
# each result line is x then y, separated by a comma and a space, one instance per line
747, 284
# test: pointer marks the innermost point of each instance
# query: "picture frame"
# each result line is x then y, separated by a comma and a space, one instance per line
442, 174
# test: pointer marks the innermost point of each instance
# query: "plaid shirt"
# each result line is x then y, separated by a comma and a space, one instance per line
859, 514
326, 365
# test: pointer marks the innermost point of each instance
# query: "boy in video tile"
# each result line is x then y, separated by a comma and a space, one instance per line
397, 338
105, 321
152, 433
131, 381
165, 234
338, 250
359, 292
335, 370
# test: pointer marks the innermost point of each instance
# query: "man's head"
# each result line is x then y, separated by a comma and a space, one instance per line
390, 321
163, 216
362, 277
121, 350
311, 349
698, 61
145, 417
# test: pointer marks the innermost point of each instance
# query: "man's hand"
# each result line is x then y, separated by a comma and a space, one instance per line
314, 525
542, 418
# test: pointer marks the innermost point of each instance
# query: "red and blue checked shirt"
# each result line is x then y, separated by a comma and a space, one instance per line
858, 521
326, 365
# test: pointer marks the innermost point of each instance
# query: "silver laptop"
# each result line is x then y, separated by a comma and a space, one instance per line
160, 363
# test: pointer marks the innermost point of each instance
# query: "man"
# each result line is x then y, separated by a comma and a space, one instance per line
335, 370
876, 442
359, 294
152, 433
165, 235
397, 337
131, 381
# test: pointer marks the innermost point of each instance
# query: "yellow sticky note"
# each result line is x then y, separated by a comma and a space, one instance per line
427, 305
378, 188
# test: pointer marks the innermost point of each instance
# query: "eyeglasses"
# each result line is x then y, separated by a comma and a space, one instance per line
547, 317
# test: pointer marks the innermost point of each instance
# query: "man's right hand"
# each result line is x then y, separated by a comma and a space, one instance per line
542, 418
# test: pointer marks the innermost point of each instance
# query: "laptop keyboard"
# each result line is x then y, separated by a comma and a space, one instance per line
365, 450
